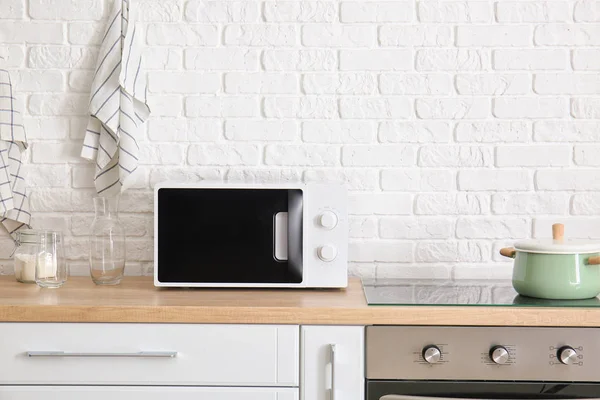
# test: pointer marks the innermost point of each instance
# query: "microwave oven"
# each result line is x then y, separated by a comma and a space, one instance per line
241, 235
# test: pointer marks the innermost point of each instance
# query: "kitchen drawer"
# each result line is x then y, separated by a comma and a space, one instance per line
139, 354
145, 393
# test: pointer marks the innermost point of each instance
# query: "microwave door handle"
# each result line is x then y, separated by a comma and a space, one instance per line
280, 236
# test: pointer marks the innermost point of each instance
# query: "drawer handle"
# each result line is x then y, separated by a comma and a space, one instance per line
332, 350
141, 354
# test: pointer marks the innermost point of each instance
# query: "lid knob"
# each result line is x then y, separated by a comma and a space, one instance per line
558, 232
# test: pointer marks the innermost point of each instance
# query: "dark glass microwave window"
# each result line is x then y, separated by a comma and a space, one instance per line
227, 235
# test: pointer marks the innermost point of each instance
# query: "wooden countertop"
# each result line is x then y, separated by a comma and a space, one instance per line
137, 300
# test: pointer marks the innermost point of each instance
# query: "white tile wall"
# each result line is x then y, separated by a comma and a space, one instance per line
457, 125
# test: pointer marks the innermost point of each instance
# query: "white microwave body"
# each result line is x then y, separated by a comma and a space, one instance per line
244, 235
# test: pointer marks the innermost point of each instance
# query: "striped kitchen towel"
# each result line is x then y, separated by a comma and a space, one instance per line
14, 203
118, 106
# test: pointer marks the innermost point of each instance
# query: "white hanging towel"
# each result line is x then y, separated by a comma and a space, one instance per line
14, 203
118, 106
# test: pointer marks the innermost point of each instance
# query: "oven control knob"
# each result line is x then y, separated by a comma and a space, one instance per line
499, 354
327, 252
567, 355
432, 354
328, 220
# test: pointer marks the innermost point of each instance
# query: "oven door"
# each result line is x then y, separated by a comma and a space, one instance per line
438, 390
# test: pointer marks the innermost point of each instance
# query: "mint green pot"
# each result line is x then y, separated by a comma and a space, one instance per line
556, 276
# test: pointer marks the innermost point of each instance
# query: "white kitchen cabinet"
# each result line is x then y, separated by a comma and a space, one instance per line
332, 363
149, 354
180, 362
144, 393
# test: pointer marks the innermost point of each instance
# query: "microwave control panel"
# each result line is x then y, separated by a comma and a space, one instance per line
325, 235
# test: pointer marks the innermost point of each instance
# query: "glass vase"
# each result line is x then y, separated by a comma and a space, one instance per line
107, 243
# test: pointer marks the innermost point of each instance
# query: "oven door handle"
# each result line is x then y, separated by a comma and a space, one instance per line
403, 397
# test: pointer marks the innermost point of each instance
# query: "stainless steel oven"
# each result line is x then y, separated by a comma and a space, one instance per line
481, 390
425, 362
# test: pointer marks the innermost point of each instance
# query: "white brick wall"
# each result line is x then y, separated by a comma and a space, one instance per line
457, 125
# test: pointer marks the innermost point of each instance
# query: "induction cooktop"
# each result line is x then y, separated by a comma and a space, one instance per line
404, 292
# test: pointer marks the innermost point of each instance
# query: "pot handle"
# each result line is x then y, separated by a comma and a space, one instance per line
593, 260
510, 252
558, 232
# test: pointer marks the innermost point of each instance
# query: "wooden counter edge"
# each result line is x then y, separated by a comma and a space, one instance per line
422, 315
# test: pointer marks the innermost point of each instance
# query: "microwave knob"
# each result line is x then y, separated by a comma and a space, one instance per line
327, 252
328, 220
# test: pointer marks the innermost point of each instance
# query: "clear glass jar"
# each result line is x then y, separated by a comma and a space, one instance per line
25, 256
51, 267
107, 243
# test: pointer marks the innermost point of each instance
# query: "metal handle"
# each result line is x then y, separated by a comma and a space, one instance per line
141, 354
332, 350
403, 397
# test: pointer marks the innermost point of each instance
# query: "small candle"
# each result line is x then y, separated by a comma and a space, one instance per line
46, 265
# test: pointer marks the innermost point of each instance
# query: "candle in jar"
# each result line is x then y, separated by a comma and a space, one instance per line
47, 265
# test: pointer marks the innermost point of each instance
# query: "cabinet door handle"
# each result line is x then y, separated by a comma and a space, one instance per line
141, 354
332, 350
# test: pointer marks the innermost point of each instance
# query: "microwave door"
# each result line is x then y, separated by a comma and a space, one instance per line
226, 235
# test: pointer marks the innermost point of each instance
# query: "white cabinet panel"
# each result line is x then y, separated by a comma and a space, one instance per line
144, 393
332, 357
207, 355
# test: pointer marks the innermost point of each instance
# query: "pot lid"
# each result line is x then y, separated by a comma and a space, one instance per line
552, 246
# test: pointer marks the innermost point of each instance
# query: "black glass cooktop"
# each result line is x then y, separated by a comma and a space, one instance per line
401, 292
